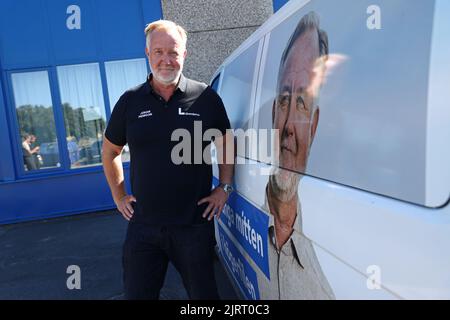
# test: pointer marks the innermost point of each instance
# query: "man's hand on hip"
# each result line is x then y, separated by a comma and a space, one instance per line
125, 207
216, 200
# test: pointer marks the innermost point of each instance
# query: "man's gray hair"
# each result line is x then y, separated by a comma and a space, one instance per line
164, 25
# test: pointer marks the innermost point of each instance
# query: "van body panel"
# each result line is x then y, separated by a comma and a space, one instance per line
438, 109
372, 200
357, 232
404, 242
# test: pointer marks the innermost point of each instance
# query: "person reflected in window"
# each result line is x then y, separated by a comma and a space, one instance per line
295, 272
36, 156
29, 153
74, 151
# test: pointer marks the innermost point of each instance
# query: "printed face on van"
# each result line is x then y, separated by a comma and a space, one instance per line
166, 55
294, 114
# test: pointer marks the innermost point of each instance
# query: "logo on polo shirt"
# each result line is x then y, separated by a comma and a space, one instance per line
144, 114
182, 113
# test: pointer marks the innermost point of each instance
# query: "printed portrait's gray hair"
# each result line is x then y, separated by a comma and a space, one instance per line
309, 22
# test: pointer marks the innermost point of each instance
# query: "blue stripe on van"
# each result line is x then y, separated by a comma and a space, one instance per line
242, 272
249, 226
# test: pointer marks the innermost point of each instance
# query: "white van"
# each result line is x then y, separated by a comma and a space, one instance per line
351, 201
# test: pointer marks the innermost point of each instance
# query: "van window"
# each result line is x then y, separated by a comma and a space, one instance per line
362, 108
236, 87
215, 83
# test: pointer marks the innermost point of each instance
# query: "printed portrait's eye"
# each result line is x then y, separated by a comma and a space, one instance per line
174, 54
283, 101
301, 105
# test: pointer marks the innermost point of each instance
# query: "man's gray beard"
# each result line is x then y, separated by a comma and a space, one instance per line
284, 189
164, 81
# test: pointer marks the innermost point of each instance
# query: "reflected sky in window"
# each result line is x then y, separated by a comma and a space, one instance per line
31, 88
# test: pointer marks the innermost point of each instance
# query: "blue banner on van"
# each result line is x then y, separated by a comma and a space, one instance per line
241, 270
249, 226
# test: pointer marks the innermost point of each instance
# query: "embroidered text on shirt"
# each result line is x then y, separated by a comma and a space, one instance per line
144, 114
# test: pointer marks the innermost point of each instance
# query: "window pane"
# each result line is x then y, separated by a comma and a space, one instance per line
121, 76
84, 112
36, 121
236, 87
236, 93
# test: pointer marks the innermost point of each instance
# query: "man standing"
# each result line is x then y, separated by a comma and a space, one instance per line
171, 207
294, 267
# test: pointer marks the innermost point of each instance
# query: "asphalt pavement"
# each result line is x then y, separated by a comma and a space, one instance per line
43, 259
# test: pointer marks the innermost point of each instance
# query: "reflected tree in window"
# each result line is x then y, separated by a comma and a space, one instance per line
84, 112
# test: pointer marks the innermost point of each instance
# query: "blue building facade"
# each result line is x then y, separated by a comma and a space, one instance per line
63, 66
277, 4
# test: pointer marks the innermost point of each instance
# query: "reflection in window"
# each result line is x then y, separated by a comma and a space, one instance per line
236, 87
84, 112
121, 76
36, 121
236, 92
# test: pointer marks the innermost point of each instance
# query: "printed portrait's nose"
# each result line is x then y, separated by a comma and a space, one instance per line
289, 128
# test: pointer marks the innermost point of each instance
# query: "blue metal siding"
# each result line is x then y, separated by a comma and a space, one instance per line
151, 10
54, 196
77, 44
34, 32
24, 33
122, 28
6, 162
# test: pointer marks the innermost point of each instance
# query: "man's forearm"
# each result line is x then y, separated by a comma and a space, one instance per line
112, 166
226, 172
226, 149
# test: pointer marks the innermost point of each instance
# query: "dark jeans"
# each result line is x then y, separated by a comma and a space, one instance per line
148, 249
30, 163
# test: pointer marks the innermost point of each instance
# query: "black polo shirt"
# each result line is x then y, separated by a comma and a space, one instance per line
167, 193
